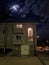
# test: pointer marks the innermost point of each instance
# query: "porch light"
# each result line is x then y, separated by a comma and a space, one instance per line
37, 36
47, 41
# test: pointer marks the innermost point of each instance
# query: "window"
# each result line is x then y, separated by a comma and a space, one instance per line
19, 26
30, 34
18, 37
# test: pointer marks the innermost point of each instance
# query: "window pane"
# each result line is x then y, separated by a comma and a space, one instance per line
19, 26
30, 34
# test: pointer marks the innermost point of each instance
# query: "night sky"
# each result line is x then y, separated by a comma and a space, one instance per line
43, 31
26, 9
37, 10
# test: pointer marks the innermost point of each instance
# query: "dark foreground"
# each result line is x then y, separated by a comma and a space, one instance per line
23, 60
19, 61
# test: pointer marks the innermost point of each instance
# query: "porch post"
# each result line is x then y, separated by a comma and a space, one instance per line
35, 39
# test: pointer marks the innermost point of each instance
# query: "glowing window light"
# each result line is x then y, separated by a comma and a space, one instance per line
19, 26
30, 34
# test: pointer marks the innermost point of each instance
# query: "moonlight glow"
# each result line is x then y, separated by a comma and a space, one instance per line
30, 9
14, 8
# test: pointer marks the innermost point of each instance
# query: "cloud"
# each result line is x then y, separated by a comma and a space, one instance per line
37, 7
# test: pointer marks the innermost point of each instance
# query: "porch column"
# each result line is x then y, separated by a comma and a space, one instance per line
35, 39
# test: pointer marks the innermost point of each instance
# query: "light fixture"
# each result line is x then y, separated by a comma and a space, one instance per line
47, 41
37, 36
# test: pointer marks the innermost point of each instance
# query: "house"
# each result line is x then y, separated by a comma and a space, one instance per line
18, 36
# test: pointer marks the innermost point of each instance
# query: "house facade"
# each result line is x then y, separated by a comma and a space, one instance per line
20, 37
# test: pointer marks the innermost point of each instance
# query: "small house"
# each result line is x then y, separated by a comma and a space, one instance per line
18, 36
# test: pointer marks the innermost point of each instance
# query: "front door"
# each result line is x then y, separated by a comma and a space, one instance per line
24, 49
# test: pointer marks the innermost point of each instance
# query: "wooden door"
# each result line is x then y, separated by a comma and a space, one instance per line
24, 49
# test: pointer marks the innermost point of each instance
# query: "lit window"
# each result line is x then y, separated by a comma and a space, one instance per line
30, 34
19, 26
18, 37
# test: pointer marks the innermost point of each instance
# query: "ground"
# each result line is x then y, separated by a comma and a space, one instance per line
44, 59
23, 60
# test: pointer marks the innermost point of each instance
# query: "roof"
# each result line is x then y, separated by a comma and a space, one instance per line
14, 20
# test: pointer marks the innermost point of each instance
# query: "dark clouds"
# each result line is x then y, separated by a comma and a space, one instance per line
38, 8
